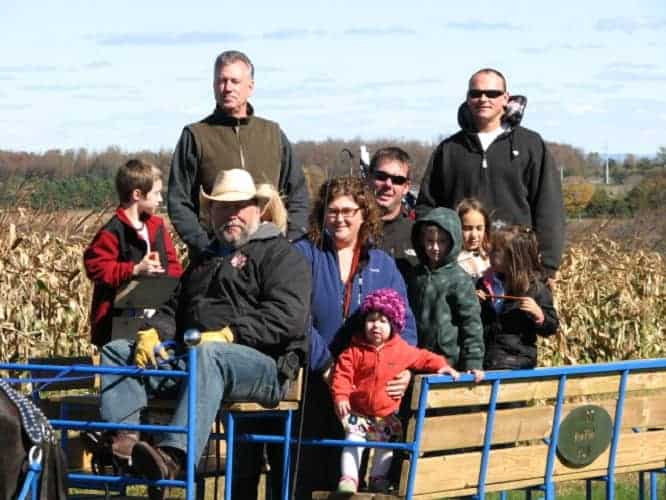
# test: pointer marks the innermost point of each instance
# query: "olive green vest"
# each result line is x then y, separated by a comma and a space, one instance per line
251, 143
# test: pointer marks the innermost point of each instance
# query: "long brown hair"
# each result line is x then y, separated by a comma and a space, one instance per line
356, 189
521, 256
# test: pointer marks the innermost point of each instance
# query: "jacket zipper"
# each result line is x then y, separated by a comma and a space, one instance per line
240, 146
360, 289
484, 160
371, 399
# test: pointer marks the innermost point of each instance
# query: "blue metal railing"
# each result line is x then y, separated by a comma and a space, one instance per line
624, 369
189, 429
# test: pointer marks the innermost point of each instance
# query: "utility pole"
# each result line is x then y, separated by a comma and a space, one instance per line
606, 174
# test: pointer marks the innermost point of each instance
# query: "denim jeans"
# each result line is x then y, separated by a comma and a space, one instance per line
226, 372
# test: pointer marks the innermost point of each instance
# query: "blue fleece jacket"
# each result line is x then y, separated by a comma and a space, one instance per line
330, 332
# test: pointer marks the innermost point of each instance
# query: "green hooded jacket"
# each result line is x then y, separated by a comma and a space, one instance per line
444, 302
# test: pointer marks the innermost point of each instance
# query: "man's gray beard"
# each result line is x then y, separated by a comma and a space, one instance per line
243, 238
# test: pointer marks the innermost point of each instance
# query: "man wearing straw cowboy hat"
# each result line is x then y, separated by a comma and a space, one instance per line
232, 137
240, 293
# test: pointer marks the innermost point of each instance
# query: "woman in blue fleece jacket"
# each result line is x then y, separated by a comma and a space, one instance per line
345, 268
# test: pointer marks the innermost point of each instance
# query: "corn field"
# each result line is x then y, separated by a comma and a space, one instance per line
611, 300
610, 296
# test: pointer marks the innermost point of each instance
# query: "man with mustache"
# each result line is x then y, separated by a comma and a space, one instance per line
504, 165
389, 178
232, 137
241, 294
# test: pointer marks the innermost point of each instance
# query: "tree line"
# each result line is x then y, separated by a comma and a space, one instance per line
78, 178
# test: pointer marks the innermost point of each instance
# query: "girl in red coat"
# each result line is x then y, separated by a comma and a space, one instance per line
375, 356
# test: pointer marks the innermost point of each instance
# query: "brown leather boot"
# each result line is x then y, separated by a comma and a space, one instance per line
157, 463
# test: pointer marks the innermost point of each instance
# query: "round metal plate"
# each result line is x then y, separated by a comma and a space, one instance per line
585, 434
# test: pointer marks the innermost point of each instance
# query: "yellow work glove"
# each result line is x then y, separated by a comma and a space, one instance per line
223, 335
144, 349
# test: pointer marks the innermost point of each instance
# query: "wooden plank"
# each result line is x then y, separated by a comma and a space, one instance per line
452, 473
517, 485
88, 400
295, 389
80, 406
363, 495
451, 395
69, 380
247, 407
525, 424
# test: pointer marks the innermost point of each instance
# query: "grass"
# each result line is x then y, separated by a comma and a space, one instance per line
626, 488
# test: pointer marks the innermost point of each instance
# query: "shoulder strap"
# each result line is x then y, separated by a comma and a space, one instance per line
35, 423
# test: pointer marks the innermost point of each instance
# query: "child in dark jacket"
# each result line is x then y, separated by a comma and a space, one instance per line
516, 305
441, 293
376, 355
134, 242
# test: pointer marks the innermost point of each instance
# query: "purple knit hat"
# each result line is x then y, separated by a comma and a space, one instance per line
388, 302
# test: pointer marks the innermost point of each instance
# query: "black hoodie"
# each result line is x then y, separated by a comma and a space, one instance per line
519, 185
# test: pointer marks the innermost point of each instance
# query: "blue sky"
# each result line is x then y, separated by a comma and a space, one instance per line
132, 73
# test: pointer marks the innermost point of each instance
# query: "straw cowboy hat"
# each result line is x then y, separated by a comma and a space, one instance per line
229, 186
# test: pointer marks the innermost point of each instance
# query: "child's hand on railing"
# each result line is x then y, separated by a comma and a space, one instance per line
449, 370
479, 375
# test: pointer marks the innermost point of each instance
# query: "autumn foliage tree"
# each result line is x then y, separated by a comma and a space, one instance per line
577, 197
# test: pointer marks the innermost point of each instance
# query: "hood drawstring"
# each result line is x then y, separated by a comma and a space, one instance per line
349, 284
513, 153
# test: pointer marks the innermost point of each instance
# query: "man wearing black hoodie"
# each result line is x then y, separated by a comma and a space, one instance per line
506, 166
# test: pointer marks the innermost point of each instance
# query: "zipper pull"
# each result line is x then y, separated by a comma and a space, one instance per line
240, 146
484, 161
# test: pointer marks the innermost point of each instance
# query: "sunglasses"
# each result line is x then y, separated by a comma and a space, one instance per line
490, 94
398, 180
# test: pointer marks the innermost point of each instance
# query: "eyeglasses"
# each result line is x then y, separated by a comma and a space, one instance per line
490, 94
347, 212
398, 180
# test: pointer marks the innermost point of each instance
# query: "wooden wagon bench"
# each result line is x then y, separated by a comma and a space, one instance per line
532, 429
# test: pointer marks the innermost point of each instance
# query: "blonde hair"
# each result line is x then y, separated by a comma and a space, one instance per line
273, 210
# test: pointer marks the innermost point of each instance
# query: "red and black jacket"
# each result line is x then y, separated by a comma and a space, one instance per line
110, 260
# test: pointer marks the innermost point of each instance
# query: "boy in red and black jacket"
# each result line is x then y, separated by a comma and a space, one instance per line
134, 242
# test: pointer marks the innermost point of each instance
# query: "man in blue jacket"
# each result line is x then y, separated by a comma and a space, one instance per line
506, 166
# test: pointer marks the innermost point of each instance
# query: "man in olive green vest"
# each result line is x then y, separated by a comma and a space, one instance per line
232, 137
